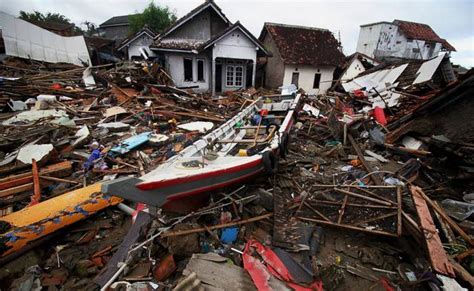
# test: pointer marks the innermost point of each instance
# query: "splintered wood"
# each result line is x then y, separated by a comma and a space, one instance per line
439, 259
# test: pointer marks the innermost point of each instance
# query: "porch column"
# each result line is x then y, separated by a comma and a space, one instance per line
254, 70
213, 77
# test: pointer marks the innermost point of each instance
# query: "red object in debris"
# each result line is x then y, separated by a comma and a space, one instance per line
263, 112
165, 268
360, 94
386, 285
260, 275
257, 271
155, 91
56, 86
379, 115
140, 207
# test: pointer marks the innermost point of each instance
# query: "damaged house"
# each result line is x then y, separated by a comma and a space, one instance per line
304, 56
116, 28
401, 39
206, 52
137, 45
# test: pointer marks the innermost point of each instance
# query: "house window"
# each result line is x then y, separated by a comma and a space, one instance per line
416, 50
200, 72
294, 78
409, 40
188, 70
317, 80
234, 74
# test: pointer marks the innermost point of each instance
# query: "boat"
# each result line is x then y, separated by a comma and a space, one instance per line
246, 145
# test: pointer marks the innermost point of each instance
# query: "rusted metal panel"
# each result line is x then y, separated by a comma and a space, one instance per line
439, 259
32, 223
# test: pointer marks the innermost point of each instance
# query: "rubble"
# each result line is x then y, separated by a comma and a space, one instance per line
371, 186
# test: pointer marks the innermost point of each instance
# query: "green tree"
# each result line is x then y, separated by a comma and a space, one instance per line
155, 16
48, 17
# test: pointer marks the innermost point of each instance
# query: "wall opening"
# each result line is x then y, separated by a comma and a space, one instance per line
188, 70
200, 70
295, 78
317, 80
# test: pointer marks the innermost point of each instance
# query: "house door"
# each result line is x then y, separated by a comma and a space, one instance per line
294, 79
218, 77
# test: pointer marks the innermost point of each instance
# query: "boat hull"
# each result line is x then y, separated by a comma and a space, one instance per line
168, 193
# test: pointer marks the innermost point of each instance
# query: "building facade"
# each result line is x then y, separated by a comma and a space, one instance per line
304, 56
400, 39
204, 51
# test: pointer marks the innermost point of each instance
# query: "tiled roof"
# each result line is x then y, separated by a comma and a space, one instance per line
299, 45
421, 31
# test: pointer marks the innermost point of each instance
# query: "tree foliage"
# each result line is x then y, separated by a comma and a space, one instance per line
48, 17
155, 16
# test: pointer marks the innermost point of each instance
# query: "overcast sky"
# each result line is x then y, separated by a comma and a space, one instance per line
453, 20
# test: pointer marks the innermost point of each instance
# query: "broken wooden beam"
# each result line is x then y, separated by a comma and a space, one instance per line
219, 226
438, 257
37, 221
377, 180
446, 217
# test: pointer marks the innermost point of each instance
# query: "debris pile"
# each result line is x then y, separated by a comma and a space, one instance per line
373, 190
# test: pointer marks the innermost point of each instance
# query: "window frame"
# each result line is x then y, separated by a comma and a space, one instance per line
192, 69
319, 81
231, 67
203, 79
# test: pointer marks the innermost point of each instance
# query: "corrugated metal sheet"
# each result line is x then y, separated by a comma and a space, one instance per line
25, 40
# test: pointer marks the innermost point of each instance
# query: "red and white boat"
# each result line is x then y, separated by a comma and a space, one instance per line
246, 145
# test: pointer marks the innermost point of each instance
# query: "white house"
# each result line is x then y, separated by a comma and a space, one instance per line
401, 39
303, 56
137, 45
356, 64
206, 52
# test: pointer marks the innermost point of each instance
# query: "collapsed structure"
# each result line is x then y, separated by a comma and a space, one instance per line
121, 177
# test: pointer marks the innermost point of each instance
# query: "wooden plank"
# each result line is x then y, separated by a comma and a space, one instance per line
439, 259
366, 165
399, 211
15, 190
36, 184
341, 210
351, 227
446, 217
363, 197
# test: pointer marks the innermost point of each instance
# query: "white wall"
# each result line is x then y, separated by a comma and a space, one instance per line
143, 41
235, 45
306, 77
353, 70
385, 39
174, 64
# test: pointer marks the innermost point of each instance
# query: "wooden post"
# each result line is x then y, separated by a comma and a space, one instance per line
36, 184
366, 165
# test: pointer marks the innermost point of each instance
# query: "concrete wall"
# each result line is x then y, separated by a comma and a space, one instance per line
274, 69
306, 77
115, 32
143, 41
174, 64
354, 69
236, 46
202, 27
385, 39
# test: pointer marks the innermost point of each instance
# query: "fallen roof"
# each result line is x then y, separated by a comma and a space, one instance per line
299, 45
